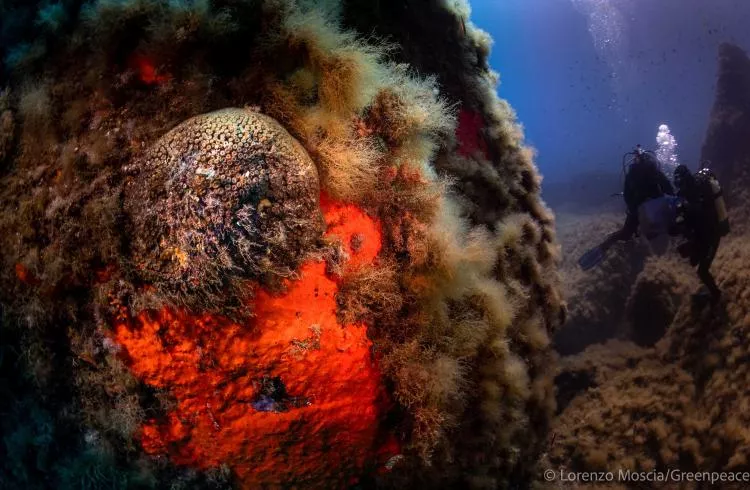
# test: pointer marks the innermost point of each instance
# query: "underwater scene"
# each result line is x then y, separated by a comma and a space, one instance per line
338, 244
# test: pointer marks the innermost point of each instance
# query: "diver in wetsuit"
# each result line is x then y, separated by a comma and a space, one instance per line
643, 181
703, 221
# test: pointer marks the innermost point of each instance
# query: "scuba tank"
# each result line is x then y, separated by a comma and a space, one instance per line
717, 195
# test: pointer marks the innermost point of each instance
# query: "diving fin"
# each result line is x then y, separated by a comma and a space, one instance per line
591, 258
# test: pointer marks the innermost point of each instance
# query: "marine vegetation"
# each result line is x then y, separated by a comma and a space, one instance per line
264, 244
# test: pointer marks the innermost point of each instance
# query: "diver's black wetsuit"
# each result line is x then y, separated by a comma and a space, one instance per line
643, 181
701, 227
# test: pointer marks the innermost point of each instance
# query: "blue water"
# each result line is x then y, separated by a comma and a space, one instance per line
591, 78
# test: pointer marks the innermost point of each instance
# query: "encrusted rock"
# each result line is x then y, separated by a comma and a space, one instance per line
7, 131
225, 196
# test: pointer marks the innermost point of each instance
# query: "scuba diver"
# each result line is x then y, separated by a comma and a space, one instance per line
644, 183
702, 220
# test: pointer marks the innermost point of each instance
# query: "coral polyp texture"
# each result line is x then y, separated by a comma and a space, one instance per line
268, 244
222, 197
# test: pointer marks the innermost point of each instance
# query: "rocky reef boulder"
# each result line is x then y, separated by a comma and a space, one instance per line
726, 147
659, 290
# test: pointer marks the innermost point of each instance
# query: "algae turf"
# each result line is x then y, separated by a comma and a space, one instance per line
459, 304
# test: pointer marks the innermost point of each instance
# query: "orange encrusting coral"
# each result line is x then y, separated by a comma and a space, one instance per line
359, 233
324, 429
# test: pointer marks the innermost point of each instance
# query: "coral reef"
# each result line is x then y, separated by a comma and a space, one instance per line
188, 185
